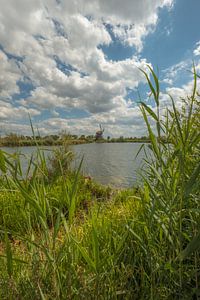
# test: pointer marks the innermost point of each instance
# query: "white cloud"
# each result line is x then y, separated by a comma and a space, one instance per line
126, 122
9, 75
7, 111
178, 94
197, 49
96, 92
45, 33
131, 20
171, 74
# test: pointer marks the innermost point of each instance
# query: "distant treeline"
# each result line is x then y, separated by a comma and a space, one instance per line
15, 140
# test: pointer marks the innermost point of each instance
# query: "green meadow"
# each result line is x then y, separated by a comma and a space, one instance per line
63, 236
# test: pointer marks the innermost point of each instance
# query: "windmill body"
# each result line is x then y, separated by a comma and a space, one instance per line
99, 133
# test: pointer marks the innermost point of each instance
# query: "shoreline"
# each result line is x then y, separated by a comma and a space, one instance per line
70, 143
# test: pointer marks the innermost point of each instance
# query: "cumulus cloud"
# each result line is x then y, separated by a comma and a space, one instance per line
116, 122
9, 75
131, 20
7, 111
178, 94
56, 46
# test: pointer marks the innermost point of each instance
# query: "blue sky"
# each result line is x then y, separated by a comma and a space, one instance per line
74, 64
175, 35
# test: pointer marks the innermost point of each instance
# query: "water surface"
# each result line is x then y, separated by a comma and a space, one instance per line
107, 163
112, 163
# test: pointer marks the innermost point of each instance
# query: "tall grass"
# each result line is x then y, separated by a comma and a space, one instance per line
58, 242
171, 202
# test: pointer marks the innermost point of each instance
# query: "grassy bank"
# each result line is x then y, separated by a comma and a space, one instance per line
65, 237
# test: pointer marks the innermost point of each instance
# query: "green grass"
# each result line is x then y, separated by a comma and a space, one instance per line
66, 237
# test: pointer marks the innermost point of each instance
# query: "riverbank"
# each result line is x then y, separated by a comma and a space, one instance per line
68, 245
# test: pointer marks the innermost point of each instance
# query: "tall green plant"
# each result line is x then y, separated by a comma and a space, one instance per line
172, 180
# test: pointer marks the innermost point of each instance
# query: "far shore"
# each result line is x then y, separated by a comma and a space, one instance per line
43, 142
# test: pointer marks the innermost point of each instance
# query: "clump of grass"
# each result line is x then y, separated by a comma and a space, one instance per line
59, 161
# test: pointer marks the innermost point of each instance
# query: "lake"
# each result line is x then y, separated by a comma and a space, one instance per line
111, 164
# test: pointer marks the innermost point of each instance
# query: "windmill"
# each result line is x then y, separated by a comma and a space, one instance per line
99, 133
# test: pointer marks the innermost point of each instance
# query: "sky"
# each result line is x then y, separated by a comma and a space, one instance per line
74, 64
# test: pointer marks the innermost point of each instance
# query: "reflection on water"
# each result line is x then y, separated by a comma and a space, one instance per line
112, 163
